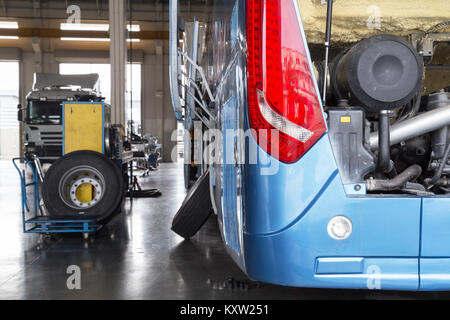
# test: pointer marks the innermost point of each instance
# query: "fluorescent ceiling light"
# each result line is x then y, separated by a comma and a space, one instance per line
9, 25
84, 26
95, 39
9, 37
95, 27
85, 39
133, 27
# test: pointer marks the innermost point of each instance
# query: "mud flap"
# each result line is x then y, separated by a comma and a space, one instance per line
195, 209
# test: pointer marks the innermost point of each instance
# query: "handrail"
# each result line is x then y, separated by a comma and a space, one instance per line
173, 65
189, 100
201, 72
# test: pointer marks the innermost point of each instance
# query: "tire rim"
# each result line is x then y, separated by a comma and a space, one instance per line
82, 187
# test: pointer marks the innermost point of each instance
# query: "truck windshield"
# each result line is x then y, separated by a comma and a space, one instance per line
44, 112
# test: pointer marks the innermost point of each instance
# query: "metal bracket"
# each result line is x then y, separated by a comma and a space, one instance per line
425, 43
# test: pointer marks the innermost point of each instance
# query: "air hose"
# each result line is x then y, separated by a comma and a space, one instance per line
409, 174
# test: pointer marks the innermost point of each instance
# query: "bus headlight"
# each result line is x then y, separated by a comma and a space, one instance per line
339, 228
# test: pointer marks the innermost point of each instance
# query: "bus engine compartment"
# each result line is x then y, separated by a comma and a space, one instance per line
387, 135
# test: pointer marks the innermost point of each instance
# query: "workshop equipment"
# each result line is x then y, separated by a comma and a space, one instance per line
34, 219
91, 179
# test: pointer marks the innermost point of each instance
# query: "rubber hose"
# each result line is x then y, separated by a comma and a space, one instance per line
409, 174
384, 157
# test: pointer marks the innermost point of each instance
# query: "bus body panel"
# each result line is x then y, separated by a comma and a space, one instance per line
385, 236
274, 216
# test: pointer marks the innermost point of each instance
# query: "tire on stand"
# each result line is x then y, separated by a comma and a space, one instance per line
83, 185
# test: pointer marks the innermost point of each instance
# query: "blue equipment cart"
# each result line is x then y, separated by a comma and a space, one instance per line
33, 215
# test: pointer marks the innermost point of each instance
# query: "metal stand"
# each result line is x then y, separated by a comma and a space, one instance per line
33, 218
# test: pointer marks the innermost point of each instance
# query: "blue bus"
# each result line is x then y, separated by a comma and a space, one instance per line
321, 173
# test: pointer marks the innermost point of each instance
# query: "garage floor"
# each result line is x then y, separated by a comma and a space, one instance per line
136, 256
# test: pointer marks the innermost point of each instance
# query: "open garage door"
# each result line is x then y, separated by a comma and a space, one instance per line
9, 99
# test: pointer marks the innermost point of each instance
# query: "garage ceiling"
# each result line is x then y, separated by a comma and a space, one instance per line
42, 19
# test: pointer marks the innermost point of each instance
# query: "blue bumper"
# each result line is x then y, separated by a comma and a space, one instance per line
285, 238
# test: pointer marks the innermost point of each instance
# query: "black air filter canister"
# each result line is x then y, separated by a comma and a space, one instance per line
378, 73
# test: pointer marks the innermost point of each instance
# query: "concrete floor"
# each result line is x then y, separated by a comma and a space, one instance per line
135, 256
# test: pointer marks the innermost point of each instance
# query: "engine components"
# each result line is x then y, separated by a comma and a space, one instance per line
346, 131
409, 174
384, 164
439, 138
414, 151
83, 184
423, 123
387, 126
382, 72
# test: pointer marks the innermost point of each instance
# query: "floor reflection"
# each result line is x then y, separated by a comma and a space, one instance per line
136, 256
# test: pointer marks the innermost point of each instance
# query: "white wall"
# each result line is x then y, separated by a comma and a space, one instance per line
158, 118
9, 98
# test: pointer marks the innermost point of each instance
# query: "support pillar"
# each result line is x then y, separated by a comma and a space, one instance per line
118, 58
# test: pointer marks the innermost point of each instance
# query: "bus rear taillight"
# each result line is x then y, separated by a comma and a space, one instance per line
281, 90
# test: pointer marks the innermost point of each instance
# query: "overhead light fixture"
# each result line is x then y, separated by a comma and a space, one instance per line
133, 27
9, 25
94, 39
9, 37
94, 27
85, 39
84, 26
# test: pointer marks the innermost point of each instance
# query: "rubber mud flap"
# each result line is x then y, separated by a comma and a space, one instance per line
195, 209
57, 189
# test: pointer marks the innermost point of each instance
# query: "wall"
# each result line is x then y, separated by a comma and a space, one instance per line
357, 19
157, 113
9, 128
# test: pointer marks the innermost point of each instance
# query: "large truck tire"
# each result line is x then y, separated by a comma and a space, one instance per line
83, 185
195, 209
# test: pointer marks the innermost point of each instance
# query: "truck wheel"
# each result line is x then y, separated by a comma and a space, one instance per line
83, 185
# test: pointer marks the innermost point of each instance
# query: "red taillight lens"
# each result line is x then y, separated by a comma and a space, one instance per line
281, 91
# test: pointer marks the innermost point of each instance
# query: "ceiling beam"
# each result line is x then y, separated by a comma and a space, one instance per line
3, 2
57, 33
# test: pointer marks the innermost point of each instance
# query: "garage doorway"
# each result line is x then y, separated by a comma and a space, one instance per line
9, 99
102, 69
104, 72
